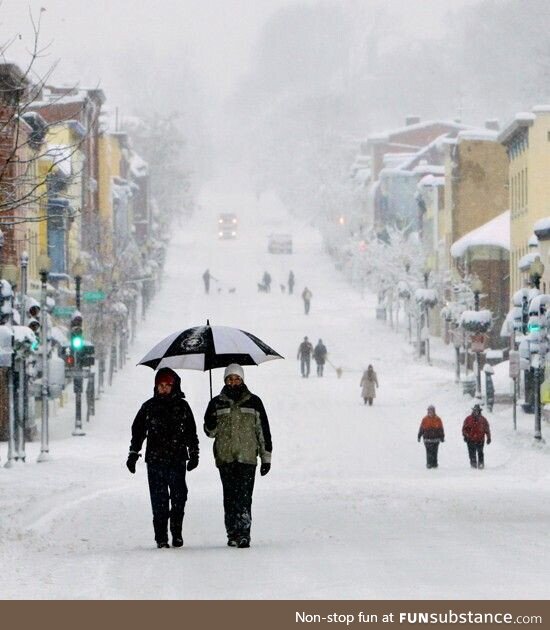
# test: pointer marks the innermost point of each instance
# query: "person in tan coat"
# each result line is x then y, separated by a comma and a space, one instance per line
431, 429
369, 383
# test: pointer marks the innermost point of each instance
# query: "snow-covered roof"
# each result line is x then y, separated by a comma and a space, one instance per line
432, 169
541, 109
542, 228
533, 241
526, 261
386, 136
482, 135
521, 120
494, 233
431, 180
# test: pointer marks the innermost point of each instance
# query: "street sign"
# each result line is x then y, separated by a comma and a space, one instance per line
514, 366
478, 342
63, 311
93, 296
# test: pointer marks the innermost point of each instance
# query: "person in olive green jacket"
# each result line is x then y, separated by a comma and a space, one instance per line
237, 421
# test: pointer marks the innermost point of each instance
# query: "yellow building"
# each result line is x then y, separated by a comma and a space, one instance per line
109, 161
476, 176
527, 142
62, 166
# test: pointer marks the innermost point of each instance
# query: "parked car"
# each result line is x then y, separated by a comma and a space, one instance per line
279, 244
227, 225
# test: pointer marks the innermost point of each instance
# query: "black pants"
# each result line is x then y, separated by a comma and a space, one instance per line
305, 365
431, 454
168, 492
475, 451
320, 367
238, 485
306, 306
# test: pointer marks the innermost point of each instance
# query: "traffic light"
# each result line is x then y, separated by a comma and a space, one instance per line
77, 337
87, 355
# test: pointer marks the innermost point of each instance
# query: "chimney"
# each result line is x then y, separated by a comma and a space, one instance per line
492, 124
411, 120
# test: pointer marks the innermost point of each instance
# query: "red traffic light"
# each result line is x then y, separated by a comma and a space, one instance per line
69, 360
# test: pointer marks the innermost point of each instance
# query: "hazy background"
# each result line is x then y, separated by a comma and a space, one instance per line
284, 84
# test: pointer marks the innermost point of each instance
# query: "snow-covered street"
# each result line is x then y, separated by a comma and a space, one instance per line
349, 509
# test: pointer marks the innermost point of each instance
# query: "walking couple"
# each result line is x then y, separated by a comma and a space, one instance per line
237, 421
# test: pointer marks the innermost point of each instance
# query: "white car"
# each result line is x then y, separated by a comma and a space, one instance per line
279, 244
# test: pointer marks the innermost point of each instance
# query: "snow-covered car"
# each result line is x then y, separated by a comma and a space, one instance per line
227, 225
279, 244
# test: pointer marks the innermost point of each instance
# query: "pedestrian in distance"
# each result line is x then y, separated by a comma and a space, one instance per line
266, 280
474, 431
207, 276
167, 423
306, 296
320, 356
489, 386
431, 430
237, 421
305, 350
369, 383
290, 282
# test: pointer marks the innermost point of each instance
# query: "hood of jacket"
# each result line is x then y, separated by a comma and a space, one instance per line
176, 387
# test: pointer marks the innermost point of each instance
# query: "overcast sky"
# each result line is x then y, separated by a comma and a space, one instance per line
116, 43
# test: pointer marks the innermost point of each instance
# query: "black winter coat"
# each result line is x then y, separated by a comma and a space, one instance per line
168, 424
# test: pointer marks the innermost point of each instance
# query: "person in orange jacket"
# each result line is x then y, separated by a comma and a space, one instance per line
474, 430
431, 429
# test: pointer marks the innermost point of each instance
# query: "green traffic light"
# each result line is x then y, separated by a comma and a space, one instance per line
77, 342
533, 327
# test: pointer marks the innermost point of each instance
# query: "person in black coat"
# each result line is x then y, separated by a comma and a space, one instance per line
167, 422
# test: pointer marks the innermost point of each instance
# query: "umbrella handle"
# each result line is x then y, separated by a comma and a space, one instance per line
210, 376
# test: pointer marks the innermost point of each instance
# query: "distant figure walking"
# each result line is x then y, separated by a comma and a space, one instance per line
320, 356
474, 430
431, 429
267, 281
306, 296
369, 383
207, 276
305, 351
290, 282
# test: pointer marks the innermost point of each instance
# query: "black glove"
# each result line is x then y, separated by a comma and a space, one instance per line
442, 439
488, 440
466, 440
193, 462
264, 469
419, 439
131, 462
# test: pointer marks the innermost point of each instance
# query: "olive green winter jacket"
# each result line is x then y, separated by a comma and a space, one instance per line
240, 428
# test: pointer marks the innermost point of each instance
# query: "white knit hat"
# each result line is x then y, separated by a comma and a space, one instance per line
234, 368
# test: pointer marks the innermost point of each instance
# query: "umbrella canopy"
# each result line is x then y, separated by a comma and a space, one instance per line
208, 347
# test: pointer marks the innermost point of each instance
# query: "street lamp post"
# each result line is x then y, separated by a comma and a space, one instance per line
476, 288
10, 274
536, 271
23, 383
44, 266
78, 270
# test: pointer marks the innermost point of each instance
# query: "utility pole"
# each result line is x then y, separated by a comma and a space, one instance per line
44, 266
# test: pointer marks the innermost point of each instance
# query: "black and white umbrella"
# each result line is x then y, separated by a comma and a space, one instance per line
208, 347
